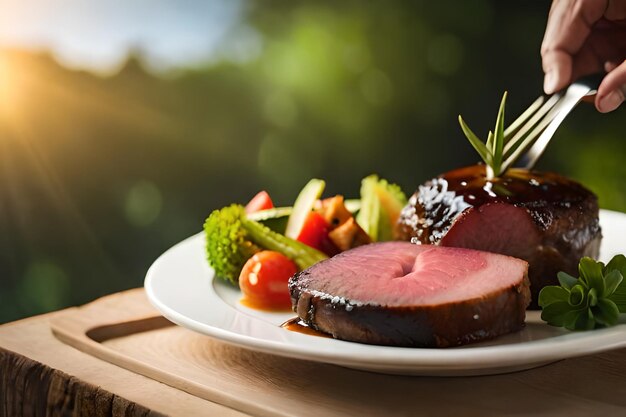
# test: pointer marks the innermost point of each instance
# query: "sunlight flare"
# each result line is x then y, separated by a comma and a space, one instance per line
9, 87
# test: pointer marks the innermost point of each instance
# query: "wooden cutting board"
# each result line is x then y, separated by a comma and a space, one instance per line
125, 330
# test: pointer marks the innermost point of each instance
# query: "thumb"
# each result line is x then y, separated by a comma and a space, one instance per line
612, 89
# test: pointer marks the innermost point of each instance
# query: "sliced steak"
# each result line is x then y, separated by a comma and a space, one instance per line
544, 218
402, 294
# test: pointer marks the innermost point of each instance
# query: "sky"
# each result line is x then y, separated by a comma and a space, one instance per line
97, 35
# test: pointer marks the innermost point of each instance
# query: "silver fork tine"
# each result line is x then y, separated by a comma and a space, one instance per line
544, 125
523, 118
536, 118
544, 131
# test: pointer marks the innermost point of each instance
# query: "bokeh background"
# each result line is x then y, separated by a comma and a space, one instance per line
124, 123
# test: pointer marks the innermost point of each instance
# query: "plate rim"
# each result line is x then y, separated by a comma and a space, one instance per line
383, 358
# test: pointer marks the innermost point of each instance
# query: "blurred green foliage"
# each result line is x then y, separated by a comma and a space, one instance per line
98, 176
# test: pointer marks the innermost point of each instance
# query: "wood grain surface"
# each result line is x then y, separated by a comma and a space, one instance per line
122, 329
32, 389
41, 376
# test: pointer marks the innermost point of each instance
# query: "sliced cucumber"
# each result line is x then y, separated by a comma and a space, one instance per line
370, 207
273, 213
381, 204
303, 205
353, 205
274, 218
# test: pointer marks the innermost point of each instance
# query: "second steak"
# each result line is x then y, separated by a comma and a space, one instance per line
402, 294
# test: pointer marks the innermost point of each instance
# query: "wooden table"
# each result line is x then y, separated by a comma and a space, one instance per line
41, 374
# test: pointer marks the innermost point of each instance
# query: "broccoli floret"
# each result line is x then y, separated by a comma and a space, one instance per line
232, 239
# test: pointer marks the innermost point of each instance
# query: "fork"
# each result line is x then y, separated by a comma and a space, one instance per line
538, 123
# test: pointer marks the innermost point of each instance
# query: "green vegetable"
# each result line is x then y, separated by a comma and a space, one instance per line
381, 203
353, 205
593, 300
275, 218
503, 147
232, 238
271, 213
303, 205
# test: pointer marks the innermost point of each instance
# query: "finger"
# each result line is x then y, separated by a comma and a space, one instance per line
557, 66
615, 10
586, 62
569, 25
597, 50
612, 90
609, 66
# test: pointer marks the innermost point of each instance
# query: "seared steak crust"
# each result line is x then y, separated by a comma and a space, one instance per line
546, 219
427, 326
324, 298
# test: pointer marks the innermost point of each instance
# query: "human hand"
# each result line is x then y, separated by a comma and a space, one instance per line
584, 37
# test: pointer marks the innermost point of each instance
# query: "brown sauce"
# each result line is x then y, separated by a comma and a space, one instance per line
298, 326
293, 325
263, 307
438, 202
516, 186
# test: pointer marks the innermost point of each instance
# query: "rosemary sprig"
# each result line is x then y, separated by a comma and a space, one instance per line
503, 146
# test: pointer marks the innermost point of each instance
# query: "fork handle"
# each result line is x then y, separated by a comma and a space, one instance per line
572, 95
592, 81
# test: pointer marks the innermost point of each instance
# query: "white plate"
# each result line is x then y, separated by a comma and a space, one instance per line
180, 285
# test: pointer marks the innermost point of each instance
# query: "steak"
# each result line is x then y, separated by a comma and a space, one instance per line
402, 294
544, 218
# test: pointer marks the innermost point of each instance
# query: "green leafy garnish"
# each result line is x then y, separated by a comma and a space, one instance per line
593, 300
503, 146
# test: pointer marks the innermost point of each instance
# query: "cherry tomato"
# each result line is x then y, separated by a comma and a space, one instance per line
315, 234
261, 201
263, 280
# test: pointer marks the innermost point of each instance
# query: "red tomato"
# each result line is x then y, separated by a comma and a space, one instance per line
261, 201
315, 234
263, 280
